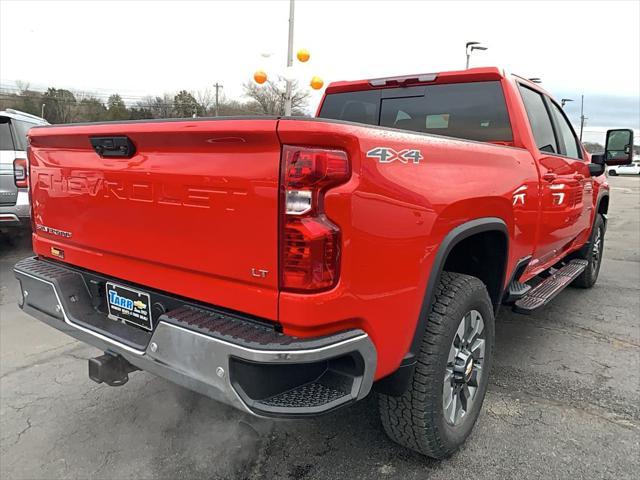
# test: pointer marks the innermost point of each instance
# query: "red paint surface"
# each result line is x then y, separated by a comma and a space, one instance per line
196, 209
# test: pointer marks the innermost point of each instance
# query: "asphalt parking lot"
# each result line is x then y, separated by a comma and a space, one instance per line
564, 400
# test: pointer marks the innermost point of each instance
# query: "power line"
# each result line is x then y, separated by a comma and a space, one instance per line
77, 93
137, 106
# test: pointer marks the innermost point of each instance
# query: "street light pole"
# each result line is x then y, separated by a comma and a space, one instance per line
287, 98
470, 47
468, 52
42, 110
582, 117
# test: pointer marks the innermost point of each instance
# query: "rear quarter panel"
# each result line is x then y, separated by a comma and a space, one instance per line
393, 218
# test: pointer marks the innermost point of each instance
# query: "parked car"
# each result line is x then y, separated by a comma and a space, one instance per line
290, 266
632, 169
14, 191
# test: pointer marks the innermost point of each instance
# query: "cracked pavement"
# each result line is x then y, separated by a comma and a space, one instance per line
563, 400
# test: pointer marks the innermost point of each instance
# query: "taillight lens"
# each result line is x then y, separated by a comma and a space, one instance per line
309, 241
20, 172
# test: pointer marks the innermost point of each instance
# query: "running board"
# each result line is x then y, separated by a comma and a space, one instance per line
546, 291
515, 292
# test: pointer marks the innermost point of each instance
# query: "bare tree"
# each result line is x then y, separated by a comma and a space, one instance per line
60, 105
269, 98
161, 107
237, 108
593, 147
205, 99
26, 100
64, 106
22, 86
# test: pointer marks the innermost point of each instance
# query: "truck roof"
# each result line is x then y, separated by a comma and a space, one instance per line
454, 76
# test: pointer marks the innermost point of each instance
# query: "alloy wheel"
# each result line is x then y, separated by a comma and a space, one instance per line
464, 367
596, 251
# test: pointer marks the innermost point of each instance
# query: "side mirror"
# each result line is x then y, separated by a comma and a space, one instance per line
618, 149
596, 168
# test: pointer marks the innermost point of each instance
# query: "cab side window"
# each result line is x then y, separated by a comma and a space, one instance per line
569, 145
6, 139
539, 120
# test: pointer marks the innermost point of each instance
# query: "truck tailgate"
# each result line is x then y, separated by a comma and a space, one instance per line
193, 212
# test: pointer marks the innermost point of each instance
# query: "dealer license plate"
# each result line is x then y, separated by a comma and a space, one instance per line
129, 305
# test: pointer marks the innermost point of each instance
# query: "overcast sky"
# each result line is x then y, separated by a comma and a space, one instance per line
151, 47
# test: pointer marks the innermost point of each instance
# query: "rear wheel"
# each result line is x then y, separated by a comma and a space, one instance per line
593, 255
613, 173
438, 411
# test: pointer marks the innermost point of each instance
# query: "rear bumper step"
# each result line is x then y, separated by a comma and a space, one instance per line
545, 291
235, 360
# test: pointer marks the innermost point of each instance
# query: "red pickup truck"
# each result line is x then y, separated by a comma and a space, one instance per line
290, 266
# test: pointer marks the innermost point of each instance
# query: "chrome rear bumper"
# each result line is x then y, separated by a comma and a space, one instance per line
16, 215
222, 355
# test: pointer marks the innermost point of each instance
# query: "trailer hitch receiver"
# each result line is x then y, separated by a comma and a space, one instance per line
111, 369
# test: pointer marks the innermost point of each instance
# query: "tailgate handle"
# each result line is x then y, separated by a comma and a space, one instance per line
113, 147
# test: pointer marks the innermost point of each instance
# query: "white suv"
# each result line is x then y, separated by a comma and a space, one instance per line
14, 186
631, 169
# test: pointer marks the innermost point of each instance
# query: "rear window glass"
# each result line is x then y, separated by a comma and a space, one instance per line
360, 107
474, 111
6, 141
21, 128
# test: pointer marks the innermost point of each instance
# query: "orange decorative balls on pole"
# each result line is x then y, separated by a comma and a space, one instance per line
303, 55
316, 83
260, 77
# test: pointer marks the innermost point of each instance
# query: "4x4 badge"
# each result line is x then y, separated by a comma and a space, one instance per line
388, 155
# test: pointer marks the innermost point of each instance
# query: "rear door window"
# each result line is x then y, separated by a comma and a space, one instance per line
539, 120
474, 111
568, 141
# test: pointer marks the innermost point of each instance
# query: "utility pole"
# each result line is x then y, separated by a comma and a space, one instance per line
287, 98
582, 117
42, 110
217, 87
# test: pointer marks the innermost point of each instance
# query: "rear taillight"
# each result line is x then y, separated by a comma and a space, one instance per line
20, 172
309, 241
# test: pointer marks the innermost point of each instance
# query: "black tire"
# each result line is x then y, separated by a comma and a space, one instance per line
593, 255
416, 419
613, 173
